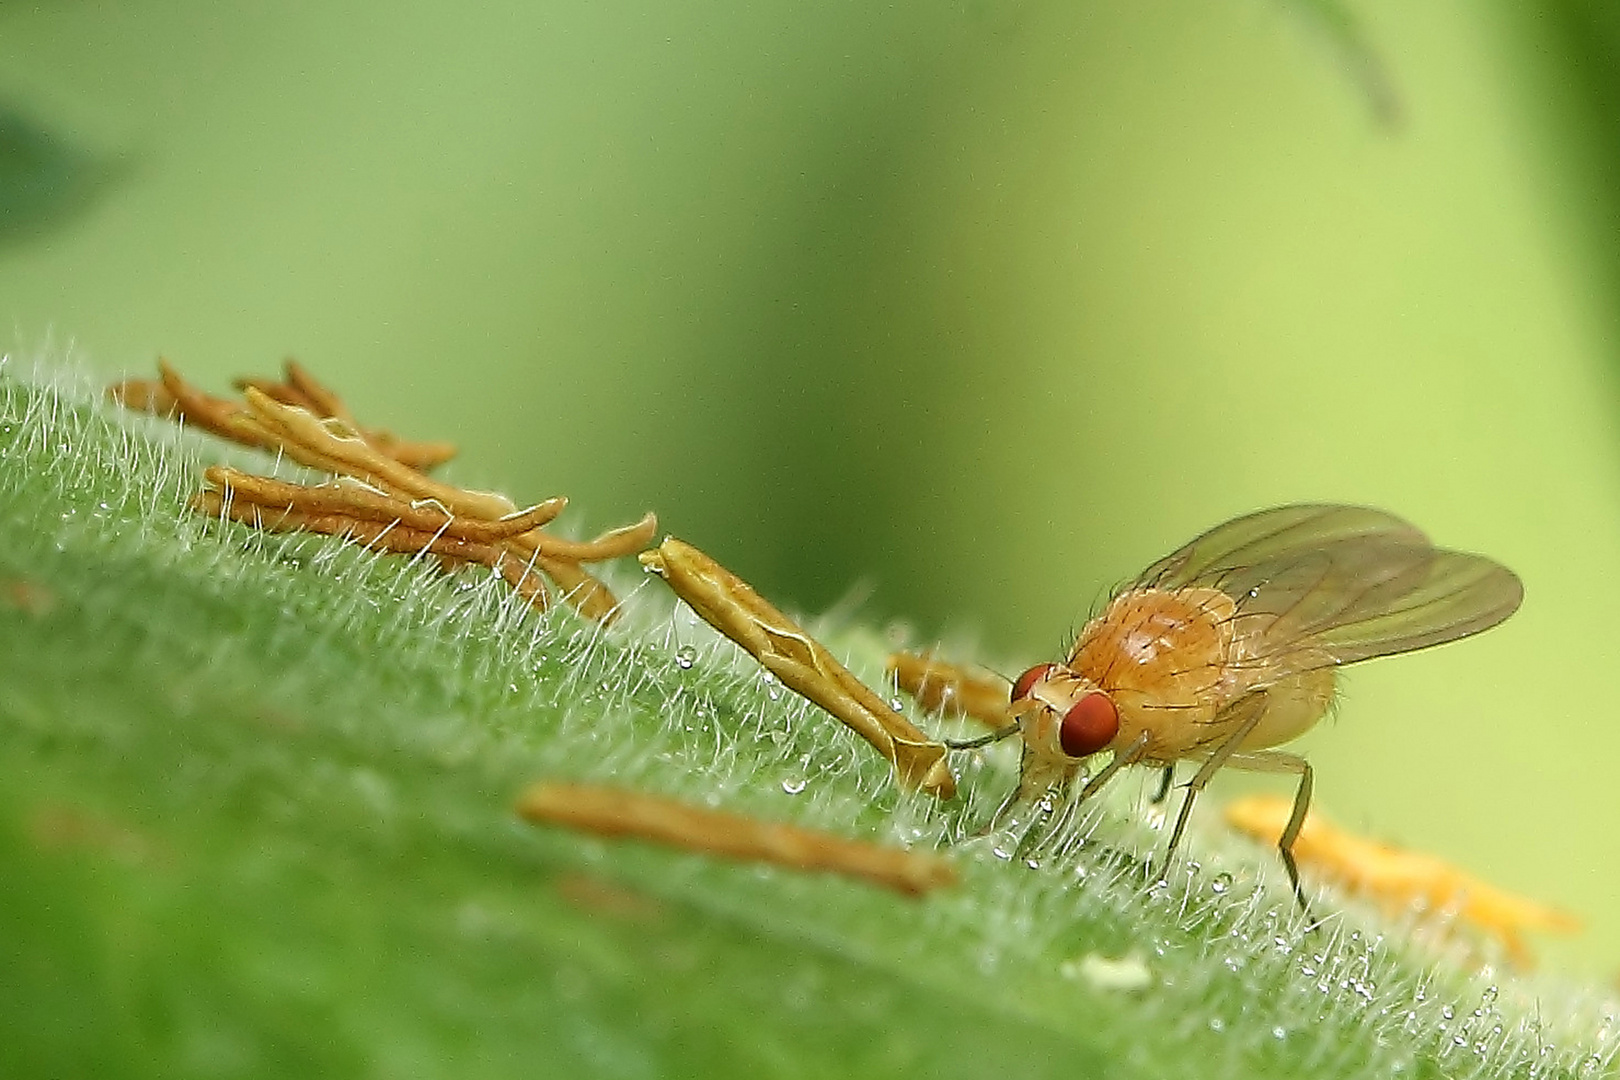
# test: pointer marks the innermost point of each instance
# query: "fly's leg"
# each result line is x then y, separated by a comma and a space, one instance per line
1165, 779
1042, 784
1277, 761
1290, 833
985, 740
1034, 836
1246, 712
1129, 755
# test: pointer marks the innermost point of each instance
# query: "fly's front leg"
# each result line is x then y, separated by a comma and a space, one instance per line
985, 740
1165, 779
1045, 779
1127, 755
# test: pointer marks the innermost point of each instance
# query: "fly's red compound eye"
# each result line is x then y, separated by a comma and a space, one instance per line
1089, 725
1026, 682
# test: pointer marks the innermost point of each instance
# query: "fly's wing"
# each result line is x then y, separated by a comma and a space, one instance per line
1449, 595
1319, 586
1277, 534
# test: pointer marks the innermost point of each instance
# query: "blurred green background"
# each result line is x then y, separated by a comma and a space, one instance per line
986, 304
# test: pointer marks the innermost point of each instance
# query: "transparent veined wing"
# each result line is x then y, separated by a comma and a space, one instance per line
1319, 585
1460, 594
1272, 535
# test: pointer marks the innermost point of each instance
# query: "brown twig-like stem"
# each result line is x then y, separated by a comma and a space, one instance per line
1398, 878
804, 665
218, 416
383, 501
357, 501
337, 447
618, 812
377, 536
613, 544
942, 687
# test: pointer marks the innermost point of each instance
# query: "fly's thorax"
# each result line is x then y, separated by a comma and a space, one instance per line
1163, 647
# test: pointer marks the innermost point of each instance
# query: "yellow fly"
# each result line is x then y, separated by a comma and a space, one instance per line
1228, 648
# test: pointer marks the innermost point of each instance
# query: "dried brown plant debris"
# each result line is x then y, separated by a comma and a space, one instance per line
171, 396
379, 497
620, 812
804, 665
950, 689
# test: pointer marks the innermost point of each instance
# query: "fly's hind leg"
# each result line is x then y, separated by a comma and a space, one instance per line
1278, 761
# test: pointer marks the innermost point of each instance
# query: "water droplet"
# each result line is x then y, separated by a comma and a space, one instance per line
1222, 882
1279, 1032
793, 785
686, 656
897, 705
1448, 1012
1217, 1024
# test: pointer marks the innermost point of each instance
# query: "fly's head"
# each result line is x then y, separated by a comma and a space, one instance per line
1064, 716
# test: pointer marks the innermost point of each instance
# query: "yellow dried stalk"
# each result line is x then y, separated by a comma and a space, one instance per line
619, 812
804, 665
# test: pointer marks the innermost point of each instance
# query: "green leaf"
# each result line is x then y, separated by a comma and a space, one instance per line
258, 822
